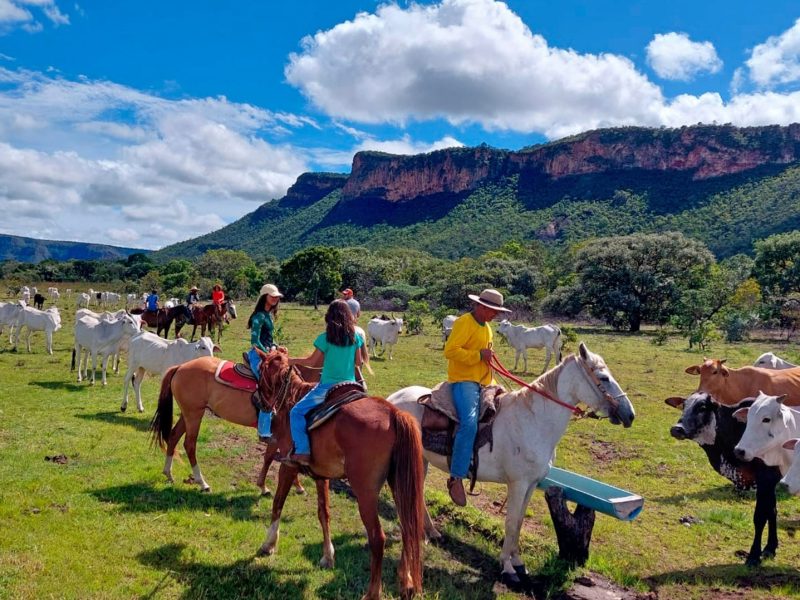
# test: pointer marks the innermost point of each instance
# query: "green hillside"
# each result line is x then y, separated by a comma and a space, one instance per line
23, 249
726, 213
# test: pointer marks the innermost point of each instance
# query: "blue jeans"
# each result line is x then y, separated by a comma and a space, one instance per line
466, 400
297, 418
264, 417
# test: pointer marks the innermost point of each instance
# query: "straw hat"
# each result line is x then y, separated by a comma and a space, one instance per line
270, 290
491, 298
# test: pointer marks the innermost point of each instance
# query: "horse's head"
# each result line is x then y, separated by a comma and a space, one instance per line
231, 307
275, 375
608, 398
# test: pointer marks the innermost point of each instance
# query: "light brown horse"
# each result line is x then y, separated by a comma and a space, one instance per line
368, 442
208, 316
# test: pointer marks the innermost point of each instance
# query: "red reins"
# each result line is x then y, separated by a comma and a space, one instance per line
497, 366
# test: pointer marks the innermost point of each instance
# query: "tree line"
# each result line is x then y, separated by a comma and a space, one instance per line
663, 279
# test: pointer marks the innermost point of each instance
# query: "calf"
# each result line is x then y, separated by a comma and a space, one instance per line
38, 301
149, 353
385, 333
84, 300
48, 321
9, 312
521, 338
715, 428
768, 360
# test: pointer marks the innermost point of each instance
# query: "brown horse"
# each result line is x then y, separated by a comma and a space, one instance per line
338, 449
154, 318
208, 316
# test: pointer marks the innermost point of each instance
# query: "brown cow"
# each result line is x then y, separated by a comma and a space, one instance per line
731, 386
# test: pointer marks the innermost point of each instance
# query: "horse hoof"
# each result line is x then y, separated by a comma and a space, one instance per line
433, 535
520, 570
326, 563
266, 492
300, 491
266, 550
511, 580
123, 408
753, 561
768, 553
205, 490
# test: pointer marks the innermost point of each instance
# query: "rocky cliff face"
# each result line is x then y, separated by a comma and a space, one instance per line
311, 187
701, 152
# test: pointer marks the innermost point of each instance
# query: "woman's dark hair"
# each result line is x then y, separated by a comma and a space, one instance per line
340, 326
261, 305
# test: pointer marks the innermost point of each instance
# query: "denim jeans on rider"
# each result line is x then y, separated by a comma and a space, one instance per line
264, 417
297, 418
466, 400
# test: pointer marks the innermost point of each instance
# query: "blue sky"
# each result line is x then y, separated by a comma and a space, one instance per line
145, 123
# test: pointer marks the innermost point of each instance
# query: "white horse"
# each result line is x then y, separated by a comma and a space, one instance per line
526, 430
521, 338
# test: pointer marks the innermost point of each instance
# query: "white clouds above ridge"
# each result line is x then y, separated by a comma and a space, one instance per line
674, 56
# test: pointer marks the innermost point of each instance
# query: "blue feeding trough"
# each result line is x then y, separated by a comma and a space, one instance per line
599, 496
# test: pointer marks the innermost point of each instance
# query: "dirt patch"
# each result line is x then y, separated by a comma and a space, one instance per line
60, 459
607, 452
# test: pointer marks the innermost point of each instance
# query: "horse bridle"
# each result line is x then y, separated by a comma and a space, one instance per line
283, 392
594, 380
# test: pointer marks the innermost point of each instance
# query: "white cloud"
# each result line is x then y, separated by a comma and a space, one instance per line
15, 13
116, 158
674, 56
123, 236
776, 61
465, 61
404, 145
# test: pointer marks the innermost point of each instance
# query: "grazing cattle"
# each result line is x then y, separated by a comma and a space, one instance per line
384, 332
447, 326
730, 386
53, 293
84, 300
9, 311
100, 338
25, 295
714, 427
109, 316
69, 292
521, 338
131, 300
149, 353
110, 298
48, 321
768, 360
38, 301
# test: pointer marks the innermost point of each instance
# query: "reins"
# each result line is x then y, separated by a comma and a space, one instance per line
497, 366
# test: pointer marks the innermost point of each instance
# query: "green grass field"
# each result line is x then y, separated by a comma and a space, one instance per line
105, 524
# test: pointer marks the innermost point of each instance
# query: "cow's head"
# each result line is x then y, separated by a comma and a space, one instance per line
768, 360
503, 327
766, 427
698, 419
792, 478
712, 373
206, 347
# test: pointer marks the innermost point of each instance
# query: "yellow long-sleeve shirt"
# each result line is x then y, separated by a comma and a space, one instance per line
463, 351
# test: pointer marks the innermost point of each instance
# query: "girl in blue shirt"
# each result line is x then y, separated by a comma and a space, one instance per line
262, 325
337, 351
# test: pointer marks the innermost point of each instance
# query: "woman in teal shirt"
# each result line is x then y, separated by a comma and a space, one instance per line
262, 325
337, 350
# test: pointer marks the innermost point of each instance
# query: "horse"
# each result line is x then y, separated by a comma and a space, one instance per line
154, 318
207, 316
338, 451
176, 314
526, 430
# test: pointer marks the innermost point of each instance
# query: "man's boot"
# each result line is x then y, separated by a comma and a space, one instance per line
456, 489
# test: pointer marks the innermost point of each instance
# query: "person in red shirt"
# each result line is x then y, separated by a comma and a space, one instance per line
217, 298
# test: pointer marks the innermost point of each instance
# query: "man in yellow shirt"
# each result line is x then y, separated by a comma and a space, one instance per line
468, 351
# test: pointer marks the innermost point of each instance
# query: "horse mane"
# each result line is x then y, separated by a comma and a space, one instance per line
547, 381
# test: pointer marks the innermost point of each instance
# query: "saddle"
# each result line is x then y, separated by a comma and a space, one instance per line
237, 376
439, 422
339, 395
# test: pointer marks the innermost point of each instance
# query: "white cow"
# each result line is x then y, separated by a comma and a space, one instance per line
54, 295
109, 316
69, 293
385, 333
38, 320
447, 326
84, 300
521, 338
9, 311
110, 298
100, 338
131, 299
769, 424
171, 303
149, 353
792, 477
768, 360
25, 295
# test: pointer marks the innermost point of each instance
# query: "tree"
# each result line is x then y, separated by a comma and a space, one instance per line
313, 274
777, 263
632, 279
226, 267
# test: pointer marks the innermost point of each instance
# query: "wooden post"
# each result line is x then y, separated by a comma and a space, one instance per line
573, 530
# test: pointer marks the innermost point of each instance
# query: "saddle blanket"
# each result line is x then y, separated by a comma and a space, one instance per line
441, 399
228, 374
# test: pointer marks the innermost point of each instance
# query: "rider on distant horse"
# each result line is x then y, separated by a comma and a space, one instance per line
468, 351
217, 298
262, 325
151, 303
337, 351
191, 299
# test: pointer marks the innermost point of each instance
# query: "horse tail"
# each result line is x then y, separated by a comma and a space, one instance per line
408, 478
161, 425
559, 343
